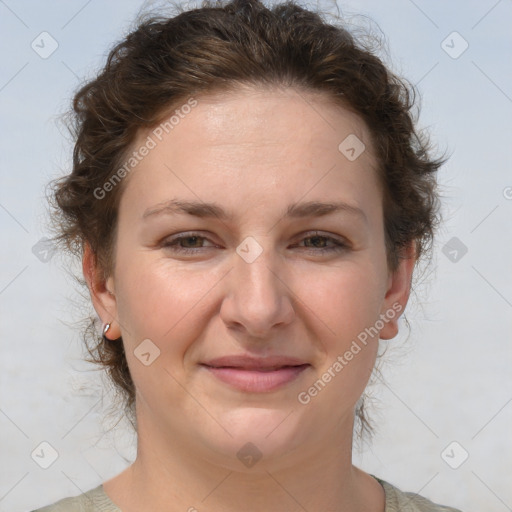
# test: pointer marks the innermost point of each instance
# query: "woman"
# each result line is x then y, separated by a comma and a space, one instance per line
249, 199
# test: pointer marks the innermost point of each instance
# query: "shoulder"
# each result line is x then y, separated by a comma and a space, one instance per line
399, 501
94, 500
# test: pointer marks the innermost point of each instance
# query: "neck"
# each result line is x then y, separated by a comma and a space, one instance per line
179, 476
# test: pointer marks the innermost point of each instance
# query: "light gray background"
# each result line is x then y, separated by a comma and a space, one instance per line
448, 381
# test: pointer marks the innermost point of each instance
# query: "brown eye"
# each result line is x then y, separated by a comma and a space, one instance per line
185, 244
319, 243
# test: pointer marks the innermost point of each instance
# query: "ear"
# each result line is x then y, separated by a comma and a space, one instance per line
397, 293
102, 292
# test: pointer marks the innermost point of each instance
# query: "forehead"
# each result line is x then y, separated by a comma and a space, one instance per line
258, 140
253, 115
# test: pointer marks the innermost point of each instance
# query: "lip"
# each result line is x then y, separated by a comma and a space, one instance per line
255, 363
256, 375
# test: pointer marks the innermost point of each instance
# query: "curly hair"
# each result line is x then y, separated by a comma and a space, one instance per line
217, 47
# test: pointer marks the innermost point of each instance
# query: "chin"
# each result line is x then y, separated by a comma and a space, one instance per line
260, 437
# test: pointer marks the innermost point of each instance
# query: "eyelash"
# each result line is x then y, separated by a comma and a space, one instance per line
173, 244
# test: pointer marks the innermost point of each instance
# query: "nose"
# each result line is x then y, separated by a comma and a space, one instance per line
259, 297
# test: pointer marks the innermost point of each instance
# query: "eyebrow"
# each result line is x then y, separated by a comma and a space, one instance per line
295, 210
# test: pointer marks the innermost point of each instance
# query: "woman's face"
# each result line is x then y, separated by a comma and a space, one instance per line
300, 291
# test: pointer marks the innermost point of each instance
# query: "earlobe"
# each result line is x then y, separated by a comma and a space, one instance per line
398, 291
102, 296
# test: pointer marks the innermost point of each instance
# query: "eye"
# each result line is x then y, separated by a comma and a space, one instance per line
319, 242
193, 243
175, 244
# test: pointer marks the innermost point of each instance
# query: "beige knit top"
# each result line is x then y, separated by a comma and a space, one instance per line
96, 500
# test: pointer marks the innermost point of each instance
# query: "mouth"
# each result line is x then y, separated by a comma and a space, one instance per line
256, 375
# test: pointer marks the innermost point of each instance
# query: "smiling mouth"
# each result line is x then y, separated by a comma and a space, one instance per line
257, 379
257, 368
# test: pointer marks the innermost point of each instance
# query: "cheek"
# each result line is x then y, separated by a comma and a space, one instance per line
160, 301
165, 305
346, 305
346, 300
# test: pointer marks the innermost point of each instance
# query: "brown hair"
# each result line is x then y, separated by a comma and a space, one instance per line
214, 48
